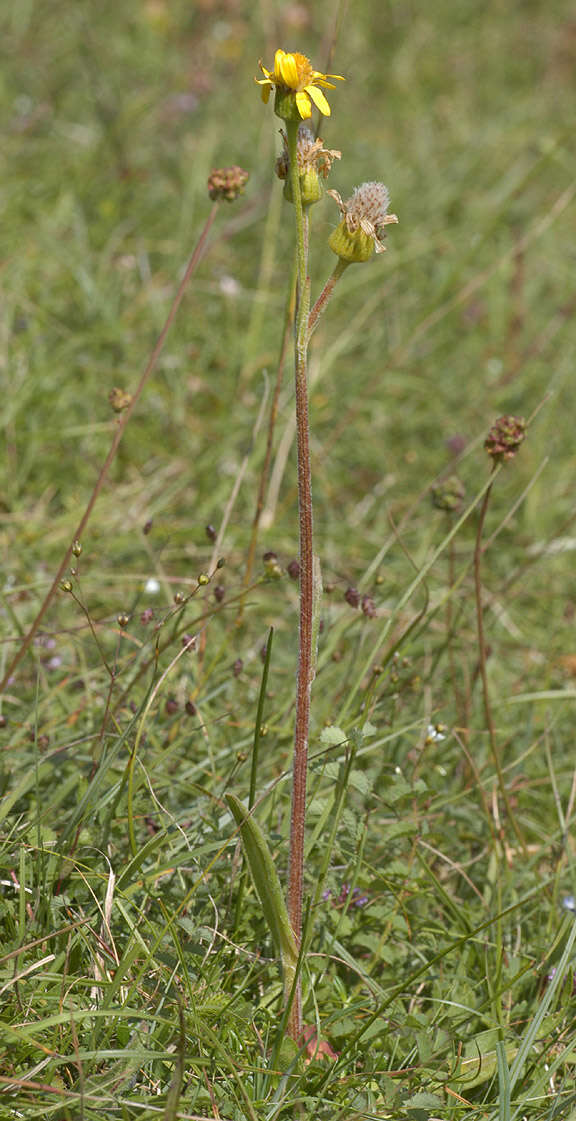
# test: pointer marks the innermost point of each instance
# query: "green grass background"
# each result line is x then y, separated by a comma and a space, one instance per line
165, 1000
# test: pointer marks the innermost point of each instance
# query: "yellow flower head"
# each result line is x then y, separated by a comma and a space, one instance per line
296, 85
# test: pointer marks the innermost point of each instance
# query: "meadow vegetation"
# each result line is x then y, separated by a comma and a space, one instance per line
138, 976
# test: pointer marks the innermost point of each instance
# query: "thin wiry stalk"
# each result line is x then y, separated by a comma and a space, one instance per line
118, 434
325, 294
482, 657
264, 474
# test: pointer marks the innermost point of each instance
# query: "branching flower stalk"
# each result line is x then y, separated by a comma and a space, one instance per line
322, 301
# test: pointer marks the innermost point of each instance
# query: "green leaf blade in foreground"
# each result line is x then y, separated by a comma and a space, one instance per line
267, 885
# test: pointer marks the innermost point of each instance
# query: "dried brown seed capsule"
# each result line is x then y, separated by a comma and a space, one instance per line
190, 708
77, 548
237, 667
352, 596
368, 608
179, 598
123, 619
219, 593
171, 706
293, 570
210, 533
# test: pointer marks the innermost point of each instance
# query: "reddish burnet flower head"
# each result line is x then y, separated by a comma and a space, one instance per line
227, 182
505, 437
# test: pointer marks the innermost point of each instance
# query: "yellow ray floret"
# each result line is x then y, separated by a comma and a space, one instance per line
293, 73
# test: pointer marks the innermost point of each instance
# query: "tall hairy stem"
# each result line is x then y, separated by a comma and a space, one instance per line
306, 558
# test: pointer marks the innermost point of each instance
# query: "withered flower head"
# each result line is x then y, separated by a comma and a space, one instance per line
364, 216
314, 163
312, 156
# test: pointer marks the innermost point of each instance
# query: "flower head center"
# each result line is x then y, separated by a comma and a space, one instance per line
294, 71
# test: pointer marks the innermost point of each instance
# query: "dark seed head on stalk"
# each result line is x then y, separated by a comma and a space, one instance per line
448, 495
505, 437
227, 182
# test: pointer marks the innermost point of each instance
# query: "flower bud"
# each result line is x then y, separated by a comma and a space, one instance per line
448, 495
119, 399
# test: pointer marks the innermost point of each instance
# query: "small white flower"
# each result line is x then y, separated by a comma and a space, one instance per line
229, 286
152, 586
435, 733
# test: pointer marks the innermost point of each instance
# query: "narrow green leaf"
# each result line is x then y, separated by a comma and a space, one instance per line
267, 885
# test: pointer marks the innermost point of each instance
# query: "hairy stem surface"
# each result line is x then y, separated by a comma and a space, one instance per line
306, 558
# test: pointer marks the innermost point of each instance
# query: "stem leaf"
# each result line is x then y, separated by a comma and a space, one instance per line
267, 886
